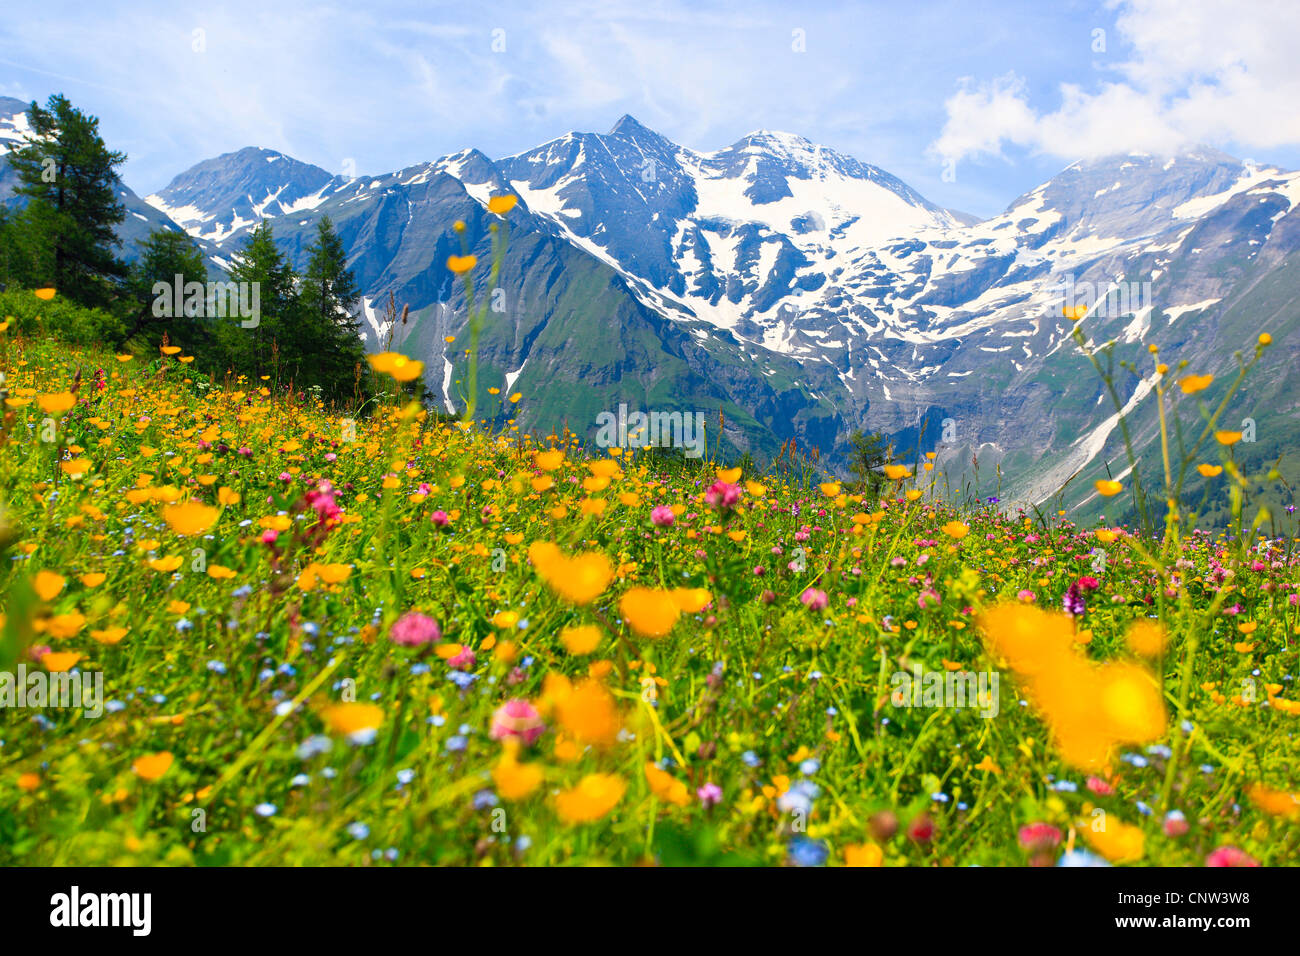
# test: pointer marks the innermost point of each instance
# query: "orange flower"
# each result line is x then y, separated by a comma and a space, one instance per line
190, 518
649, 612
461, 264
1146, 638
580, 579
65, 625
549, 460
582, 639
587, 711
397, 366
1191, 384
863, 854
44, 294
691, 600
1107, 488
355, 720
48, 584
594, 796
1118, 842
58, 662
57, 403
153, 766
666, 787
1279, 803
109, 635
501, 205
515, 780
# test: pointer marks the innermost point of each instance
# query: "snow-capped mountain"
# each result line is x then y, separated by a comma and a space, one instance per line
217, 197
729, 236
790, 291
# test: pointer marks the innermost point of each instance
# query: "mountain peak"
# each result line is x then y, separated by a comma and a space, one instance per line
776, 139
627, 125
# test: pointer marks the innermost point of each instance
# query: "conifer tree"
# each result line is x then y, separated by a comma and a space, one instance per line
69, 179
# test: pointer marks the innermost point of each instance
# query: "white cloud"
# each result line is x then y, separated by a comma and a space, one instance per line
1199, 71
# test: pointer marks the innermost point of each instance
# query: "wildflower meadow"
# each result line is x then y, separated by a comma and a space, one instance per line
245, 626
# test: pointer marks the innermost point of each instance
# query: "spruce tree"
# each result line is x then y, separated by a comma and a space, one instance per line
164, 256
68, 177
251, 349
330, 299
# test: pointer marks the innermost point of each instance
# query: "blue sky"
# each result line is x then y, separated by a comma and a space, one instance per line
1001, 95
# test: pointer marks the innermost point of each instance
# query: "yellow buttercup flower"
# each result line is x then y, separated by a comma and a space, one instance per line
190, 518
352, 718
594, 796
1227, 437
1192, 384
666, 787
1107, 488
153, 766
582, 639
691, 600
649, 612
461, 264
44, 294
580, 579
65, 625
1210, 471
397, 366
1146, 638
1118, 842
515, 780
60, 661
48, 584
57, 403
109, 635
587, 711
863, 854
549, 460
502, 204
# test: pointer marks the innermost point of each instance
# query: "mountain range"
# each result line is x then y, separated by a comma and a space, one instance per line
789, 291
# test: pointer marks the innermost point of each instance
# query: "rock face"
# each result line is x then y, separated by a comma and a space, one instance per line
789, 291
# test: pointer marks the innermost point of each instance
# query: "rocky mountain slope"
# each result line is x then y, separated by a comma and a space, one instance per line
785, 290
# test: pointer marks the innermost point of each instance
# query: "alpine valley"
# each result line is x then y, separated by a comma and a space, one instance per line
789, 291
